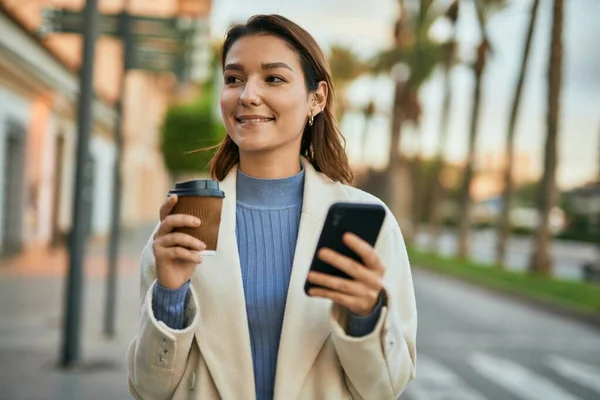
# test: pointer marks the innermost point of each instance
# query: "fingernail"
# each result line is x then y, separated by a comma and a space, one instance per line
197, 222
200, 244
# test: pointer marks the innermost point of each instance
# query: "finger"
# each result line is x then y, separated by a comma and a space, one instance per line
181, 239
167, 206
351, 267
177, 254
181, 254
364, 250
177, 221
335, 283
347, 301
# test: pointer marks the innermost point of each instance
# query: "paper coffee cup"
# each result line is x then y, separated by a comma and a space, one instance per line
203, 199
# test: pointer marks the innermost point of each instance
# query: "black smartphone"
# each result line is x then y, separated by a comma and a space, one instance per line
363, 220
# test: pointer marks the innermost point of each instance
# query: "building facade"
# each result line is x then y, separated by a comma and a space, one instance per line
38, 132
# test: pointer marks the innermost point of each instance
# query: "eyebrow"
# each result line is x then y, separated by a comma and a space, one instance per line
265, 66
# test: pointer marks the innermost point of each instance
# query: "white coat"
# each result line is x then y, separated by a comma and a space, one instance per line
211, 358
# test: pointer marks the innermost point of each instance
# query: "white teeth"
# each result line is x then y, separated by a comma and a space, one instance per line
255, 120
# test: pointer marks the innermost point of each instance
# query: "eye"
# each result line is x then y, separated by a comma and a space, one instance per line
275, 79
231, 79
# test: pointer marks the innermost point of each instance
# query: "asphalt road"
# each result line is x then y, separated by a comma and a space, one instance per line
568, 256
475, 345
471, 344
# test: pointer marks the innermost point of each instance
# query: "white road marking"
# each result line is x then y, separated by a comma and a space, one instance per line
434, 381
583, 374
517, 379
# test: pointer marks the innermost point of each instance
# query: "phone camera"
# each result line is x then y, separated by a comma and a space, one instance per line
337, 217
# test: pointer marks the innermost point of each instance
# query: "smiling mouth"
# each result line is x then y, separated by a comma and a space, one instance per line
254, 120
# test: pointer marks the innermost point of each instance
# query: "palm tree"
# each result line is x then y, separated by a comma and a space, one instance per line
345, 67
411, 60
437, 190
504, 221
484, 9
540, 260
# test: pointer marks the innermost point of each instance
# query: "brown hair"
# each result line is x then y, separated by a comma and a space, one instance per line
322, 143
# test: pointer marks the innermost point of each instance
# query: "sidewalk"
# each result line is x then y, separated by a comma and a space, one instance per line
31, 319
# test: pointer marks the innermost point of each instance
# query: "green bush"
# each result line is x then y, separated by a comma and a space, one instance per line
190, 127
571, 295
580, 236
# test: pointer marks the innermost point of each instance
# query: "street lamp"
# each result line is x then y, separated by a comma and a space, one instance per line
79, 232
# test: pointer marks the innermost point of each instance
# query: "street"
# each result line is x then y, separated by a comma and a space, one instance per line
31, 323
30, 338
475, 345
471, 344
568, 256
106, 104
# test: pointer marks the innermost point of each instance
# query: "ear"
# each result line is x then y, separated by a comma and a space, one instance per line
318, 99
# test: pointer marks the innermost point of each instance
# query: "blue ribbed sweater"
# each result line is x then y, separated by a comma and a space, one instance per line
267, 222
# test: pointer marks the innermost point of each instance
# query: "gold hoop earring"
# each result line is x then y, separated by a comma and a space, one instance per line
311, 120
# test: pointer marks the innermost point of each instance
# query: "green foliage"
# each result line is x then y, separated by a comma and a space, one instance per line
189, 127
414, 47
421, 58
576, 296
345, 65
527, 193
582, 231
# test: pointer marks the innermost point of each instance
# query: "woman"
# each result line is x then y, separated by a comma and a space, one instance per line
237, 324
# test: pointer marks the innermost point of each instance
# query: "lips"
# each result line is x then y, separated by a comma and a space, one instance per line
253, 119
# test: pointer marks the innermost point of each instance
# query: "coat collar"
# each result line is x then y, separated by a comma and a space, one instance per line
306, 323
223, 331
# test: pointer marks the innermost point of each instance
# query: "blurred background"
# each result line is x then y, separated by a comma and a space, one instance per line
477, 121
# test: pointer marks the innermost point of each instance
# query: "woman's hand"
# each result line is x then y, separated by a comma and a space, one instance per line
360, 295
176, 254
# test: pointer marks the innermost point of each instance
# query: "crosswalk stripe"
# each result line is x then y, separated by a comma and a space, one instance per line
583, 374
517, 379
434, 381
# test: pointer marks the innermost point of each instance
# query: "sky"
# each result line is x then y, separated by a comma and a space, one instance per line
366, 27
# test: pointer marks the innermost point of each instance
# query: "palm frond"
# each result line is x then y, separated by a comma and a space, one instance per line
345, 65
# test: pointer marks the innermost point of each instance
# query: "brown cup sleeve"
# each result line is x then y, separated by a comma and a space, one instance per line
208, 210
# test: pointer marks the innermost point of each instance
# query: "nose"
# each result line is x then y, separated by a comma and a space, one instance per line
250, 96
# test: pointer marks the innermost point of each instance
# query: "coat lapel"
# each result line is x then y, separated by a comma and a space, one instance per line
306, 323
223, 335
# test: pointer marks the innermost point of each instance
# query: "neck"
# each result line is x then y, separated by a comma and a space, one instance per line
272, 166
269, 193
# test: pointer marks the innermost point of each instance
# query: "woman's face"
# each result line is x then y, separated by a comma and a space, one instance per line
264, 102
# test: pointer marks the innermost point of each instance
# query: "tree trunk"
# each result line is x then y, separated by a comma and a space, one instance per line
397, 119
365, 137
436, 212
464, 226
416, 176
507, 194
540, 260
438, 194
394, 191
368, 114
598, 161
